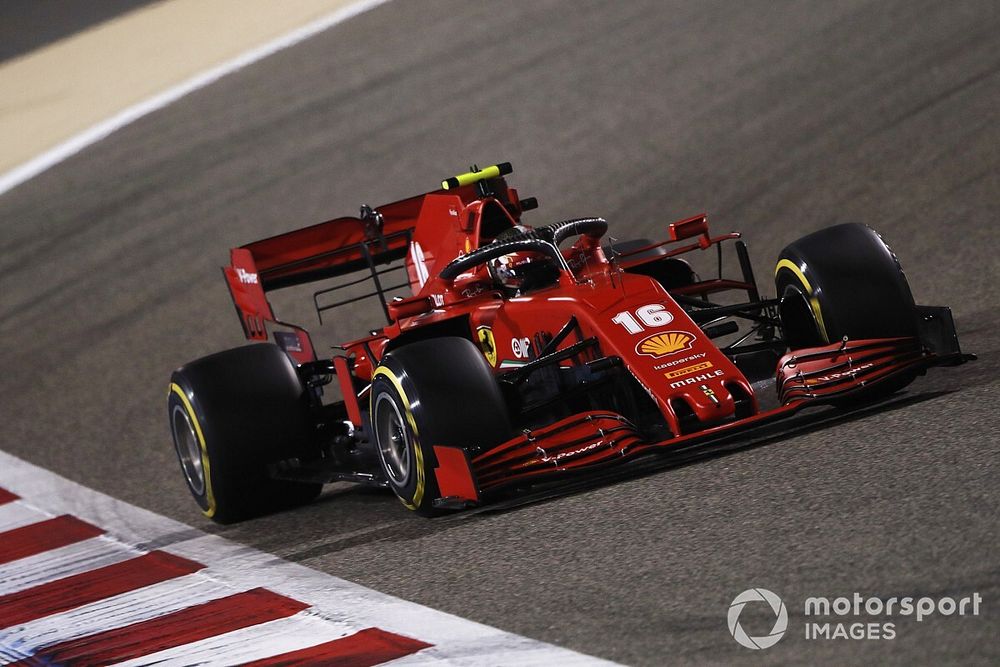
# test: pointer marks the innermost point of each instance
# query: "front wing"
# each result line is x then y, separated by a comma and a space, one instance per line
592, 441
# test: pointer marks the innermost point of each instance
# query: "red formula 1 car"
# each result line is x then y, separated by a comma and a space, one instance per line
524, 356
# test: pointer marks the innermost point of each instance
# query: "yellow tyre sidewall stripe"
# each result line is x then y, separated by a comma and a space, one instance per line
418, 492
810, 294
206, 465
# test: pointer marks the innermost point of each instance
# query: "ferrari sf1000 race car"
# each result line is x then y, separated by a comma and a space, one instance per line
522, 357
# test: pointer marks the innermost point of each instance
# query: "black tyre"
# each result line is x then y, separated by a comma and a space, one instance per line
670, 272
231, 414
842, 281
433, 392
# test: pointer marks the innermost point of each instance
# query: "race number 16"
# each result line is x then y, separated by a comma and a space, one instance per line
653, 315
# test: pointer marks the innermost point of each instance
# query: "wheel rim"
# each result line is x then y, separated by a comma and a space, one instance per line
798, 321
393, 440
188, 449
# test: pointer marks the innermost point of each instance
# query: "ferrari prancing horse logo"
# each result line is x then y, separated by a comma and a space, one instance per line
487, 344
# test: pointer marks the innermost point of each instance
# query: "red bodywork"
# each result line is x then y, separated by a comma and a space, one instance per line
631, 316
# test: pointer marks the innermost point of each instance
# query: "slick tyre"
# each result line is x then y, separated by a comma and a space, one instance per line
845, 281
842, 281
231, 414
670, 272
433, 392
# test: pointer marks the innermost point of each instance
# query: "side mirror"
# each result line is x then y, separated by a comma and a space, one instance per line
410, 307
685, 229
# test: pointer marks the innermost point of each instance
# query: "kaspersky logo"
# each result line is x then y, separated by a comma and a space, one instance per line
755, 595
662, 344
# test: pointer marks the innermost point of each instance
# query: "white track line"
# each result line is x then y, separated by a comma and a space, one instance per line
114, 612
92, 135
260, 641
343, 607
62, 562
16, 514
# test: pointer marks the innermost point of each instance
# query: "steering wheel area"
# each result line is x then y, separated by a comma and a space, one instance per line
543, 239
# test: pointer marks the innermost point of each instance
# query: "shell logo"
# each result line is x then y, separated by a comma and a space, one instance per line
662, 344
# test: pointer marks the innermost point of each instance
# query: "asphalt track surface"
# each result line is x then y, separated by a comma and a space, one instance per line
776, 118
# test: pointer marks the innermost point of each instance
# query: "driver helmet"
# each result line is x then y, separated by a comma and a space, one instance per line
524, 270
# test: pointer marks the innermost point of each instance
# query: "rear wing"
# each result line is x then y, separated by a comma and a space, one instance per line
326, 250
335, 247
372, 243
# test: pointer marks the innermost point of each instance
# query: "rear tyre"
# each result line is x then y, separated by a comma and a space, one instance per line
670, 272
231, 414
434, 392
842, 281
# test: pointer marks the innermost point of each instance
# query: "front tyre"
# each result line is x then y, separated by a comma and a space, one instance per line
845, 281
433, 392
842, 281
231, 415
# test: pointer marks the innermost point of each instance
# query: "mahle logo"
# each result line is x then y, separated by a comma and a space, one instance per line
780, 621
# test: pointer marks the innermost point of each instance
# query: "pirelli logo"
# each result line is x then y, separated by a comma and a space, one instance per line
687, 371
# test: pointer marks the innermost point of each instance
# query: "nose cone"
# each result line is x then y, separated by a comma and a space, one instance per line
710, 401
